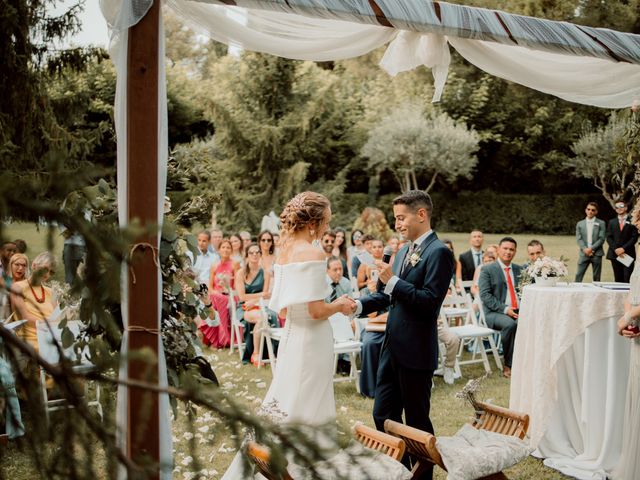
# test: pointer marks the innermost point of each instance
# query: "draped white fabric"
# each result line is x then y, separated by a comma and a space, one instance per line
120, 17
581, 79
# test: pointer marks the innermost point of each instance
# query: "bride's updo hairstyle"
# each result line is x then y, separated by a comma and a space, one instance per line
307, 209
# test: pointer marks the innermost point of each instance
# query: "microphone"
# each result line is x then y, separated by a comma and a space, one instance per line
386, 258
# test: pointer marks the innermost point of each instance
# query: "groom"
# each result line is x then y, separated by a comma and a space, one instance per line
414, 289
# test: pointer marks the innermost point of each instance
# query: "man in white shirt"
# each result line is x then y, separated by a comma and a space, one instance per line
205, 259
590, 235
498, 283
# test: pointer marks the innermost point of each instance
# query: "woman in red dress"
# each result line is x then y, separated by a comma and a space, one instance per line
222, 275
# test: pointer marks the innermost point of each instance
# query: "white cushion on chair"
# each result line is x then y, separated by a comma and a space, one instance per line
473, 453
471, 330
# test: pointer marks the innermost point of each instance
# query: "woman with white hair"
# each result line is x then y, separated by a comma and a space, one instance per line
32, 300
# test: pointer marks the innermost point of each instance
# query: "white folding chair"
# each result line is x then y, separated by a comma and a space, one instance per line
267, 335
472, 332
344, 342
455, 306
237, 339
49, 337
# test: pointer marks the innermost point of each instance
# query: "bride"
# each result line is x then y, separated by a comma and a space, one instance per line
629, 465
302, 387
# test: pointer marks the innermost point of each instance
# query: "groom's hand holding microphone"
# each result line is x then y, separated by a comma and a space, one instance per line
384, 268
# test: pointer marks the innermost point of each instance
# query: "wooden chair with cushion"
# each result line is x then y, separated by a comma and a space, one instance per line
369, 437
379, 441
422, 445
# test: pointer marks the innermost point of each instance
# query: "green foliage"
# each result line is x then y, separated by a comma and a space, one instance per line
407, 143
494, 212
603, 156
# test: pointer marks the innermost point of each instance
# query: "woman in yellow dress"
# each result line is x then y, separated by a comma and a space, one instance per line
32, 300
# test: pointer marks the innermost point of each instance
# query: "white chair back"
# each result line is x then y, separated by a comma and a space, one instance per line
50, 333
341, 325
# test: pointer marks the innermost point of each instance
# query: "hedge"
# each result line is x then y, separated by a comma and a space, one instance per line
494, 212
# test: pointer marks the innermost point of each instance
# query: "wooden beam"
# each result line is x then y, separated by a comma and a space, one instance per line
142, 196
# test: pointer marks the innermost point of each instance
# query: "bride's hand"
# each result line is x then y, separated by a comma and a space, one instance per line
345, 304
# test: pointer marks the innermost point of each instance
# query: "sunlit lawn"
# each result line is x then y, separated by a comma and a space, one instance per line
209, 446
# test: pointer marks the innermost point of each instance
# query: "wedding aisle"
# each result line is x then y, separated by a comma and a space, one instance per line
206, 446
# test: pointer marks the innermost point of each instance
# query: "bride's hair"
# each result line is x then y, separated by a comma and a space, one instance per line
307, 209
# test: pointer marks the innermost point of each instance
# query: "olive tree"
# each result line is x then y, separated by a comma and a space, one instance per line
602, 155
410, 143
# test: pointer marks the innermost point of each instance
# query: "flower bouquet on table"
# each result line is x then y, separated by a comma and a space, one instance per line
545, 271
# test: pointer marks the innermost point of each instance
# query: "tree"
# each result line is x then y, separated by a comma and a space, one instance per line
407, 143
601, 155
280, 127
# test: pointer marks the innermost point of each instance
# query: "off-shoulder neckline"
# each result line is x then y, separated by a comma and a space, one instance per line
299, 263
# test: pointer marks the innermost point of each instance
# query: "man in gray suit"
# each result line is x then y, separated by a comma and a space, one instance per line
590, 235
498, 282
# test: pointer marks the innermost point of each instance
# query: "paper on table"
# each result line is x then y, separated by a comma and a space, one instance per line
625, 259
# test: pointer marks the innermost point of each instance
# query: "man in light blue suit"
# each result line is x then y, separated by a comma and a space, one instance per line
590, 235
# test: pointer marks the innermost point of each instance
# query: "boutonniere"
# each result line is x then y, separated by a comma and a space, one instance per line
414, 258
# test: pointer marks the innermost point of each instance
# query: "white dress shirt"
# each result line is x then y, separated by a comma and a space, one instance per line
507, 301
590, 222
202, 266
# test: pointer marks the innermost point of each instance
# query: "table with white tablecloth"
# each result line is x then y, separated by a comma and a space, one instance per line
569, 373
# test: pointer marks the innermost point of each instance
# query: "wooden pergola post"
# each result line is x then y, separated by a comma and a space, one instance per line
142, 195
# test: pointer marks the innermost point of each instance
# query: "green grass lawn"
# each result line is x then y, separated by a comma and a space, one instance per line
206, 443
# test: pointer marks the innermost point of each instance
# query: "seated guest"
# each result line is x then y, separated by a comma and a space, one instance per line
340, 249
32, 300
21, 245
366, 247
335, 279
216, 238
498, 283
488, 257
251, 285
355, 248
472, 258
205, 259
394, 244
7, 249
267, 252
370, 272
371, 347
535, 250
236, 249
19, 268
276, 243
246, 239
451, 344
221, 283
328, 241
339, 286
456, 280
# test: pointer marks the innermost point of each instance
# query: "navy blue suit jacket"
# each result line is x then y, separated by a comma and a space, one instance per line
414, 305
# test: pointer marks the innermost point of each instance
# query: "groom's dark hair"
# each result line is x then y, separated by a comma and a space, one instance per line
415, 199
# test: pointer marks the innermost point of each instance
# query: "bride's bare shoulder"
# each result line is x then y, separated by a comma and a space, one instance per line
302, 253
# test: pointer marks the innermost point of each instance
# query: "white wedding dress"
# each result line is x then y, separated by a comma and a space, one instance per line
628, 467
302, 386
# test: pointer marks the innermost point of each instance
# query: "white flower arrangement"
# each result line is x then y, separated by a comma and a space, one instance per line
547, 267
